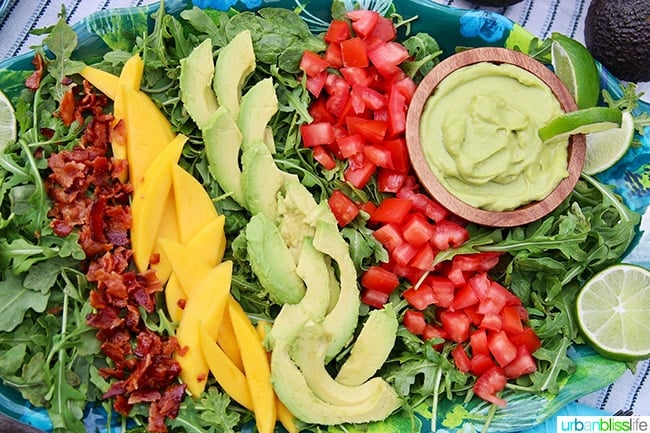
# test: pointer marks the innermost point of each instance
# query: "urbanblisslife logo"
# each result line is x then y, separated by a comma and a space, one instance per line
629, 424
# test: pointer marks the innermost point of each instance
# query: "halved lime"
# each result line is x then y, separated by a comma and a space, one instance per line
7, 122
613, 311
576, 68
585, 121
605, 148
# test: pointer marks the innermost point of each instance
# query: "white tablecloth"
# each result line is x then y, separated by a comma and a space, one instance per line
541, 17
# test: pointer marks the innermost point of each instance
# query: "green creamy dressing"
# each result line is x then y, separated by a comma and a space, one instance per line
479, 134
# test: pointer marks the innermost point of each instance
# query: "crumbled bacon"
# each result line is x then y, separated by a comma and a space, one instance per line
33, 82
89, 199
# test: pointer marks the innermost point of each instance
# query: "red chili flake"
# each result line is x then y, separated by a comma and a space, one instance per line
181, 303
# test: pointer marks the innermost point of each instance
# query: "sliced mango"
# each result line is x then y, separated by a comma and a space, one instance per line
227, 374
147, 132
194, 207
168, 229
149, 200
256, 368
185, 266
203, 309
227, 340
106, 82
131, 77
174, 297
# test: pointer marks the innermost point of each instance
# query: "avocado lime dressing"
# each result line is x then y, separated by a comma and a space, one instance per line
479, 134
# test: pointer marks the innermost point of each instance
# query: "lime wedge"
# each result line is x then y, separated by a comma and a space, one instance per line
605, 148
7, 122
585, 121
614, 312
576, 68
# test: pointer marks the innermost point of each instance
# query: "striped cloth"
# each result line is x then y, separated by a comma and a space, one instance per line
540, 17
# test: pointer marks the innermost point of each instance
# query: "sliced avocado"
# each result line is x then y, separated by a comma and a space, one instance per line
257, 107
222, 145
312, 307
371, 348
262, 180
235, 62
308, 352
195, 82
294, 205
271, 261
294, 392
341, 321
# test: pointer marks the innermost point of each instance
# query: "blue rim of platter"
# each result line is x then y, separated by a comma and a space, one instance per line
452, 28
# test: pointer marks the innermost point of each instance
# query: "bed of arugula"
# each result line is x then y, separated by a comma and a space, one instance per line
50, 355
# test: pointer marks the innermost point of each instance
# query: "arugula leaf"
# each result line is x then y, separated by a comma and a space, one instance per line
16, 301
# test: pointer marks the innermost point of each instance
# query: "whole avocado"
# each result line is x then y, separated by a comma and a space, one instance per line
617, 32
495, 2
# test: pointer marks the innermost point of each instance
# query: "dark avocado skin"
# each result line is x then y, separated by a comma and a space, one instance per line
617, 32
495, 2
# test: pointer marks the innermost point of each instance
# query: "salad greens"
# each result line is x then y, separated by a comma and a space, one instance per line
49, 353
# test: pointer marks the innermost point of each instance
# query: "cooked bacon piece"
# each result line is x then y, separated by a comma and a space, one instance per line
33, 82
89, 199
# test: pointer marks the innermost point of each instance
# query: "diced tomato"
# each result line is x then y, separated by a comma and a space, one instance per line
386, 57
406, 87
448, 234
371, 98
363, 21
350, 145
511, 320
501, 347
435, 211
333, 55
524, 363
443, 289
456, 276
378, 155
384, 31
391, 210
324, 157
317, 133
423, 260
414, 321
510, 298
343, 207
337, 31
419, 297
480, 363
316, 83
476, 262
396, 112
379, 279
390, 180
354, 52
356, 76
403, 254
456, 324
389, 236
372, 130
527, 338
463, 298
434, 332
493, 303
374, 298
319, 111
491, 321
473, 315
417, 230
489, 384
399, 154
478, 342
336, 85
358, 176
461, 359
337, 104
312, 64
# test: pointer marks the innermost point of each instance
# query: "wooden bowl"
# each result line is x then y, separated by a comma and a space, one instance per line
510, 218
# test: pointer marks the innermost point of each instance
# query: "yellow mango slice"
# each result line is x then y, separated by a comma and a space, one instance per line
227, 374
174, 296
227, 341
204, 308
256, 368
147, 132
186, 266
168, 229
106, 82
131, 77
194, 207
209, 241
149, 200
